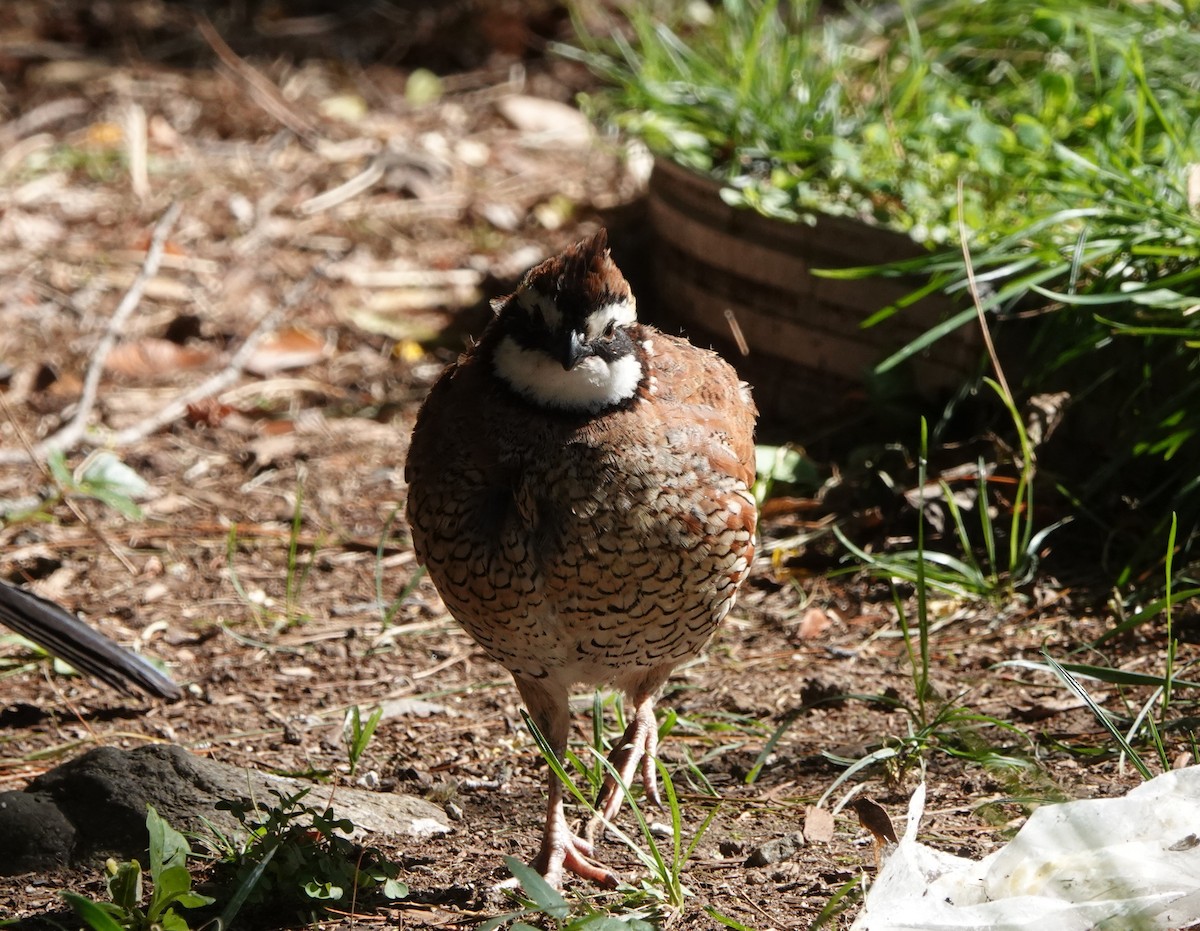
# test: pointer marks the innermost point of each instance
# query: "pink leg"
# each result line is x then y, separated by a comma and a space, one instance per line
561, 849
634, 753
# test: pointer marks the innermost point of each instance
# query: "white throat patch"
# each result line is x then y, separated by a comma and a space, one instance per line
591, 386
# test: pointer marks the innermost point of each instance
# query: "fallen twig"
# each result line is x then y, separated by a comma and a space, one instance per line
73, 431
262, 90
135, 146
39, 118
361, 182
177, 406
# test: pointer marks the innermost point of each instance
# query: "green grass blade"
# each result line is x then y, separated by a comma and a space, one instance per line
1100, 673
1100, 715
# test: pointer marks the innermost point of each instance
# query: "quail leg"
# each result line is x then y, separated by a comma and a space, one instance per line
561, 848
635, 751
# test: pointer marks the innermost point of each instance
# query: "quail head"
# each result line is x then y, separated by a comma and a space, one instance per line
580, 492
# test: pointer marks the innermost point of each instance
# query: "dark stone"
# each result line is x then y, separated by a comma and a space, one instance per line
775, 850
95, 806
37, 836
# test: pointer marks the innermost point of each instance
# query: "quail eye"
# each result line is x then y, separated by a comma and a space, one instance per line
610, 331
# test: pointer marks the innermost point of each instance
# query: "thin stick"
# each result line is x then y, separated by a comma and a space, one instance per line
736, 329
135, 146
262, 90
975, 299
71, 434
74, 508
363, 181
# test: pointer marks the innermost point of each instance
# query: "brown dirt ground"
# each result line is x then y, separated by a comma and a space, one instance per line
464, 200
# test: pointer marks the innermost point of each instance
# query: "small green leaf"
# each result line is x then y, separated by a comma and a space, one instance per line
194, 900
93, 914
169, 885
173, 921
545, 896
167, 846
58, 469
125, 506
423, 87
325, 891
125, 883
104, 469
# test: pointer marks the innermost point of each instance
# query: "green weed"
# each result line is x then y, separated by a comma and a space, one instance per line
102, 477
299, 565
171, 887
357, 734
298, 856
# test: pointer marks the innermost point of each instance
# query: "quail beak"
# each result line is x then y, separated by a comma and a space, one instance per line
574, 350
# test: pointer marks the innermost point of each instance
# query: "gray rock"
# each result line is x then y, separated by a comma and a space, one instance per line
775, 850
95, 805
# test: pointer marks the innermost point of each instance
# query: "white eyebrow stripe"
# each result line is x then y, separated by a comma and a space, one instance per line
621, 313
532, 299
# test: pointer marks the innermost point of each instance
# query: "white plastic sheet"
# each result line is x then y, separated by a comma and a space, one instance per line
1120, 864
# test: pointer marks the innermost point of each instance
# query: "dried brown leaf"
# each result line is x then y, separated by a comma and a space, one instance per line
209, 412
814, 623
290, 348
875, 819
818, 824
151, 357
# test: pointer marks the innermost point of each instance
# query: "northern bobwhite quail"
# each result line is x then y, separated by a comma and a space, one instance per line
580, 492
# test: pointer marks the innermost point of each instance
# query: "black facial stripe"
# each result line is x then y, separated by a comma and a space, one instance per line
610, 350
529, 330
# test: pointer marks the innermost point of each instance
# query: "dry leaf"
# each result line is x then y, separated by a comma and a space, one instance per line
208, 412
818, 824
152, 357
142, 244
105, 135
277, 427
814, 623
547, 119
784, 505
291, 348
411, 707
271, 450
401, 315
875, 819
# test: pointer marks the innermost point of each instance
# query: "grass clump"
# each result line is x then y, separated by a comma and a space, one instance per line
1053, 146
877, 113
